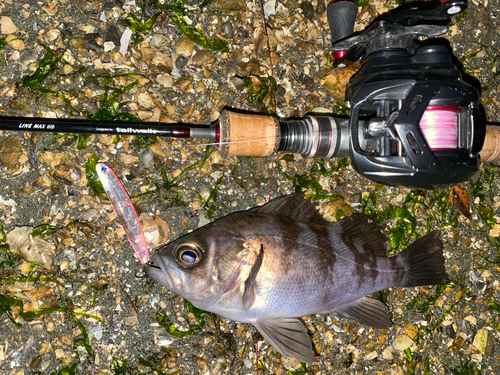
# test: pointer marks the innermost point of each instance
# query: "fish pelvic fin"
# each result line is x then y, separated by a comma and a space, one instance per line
424, 262
249, 294
369, 311
289, 337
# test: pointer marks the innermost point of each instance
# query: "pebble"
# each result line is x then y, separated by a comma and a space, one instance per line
146, 159
145, 99
483, 341
164, 341
402, 342
228, 30
8, 26
28, 56
308, 10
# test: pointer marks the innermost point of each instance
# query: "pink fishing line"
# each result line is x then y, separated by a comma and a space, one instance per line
440, 127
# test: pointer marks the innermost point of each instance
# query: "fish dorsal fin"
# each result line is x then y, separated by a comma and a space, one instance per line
295, 207
288, 336
249, 294
369, 311
362, 232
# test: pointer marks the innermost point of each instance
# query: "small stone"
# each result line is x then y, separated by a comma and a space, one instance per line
15, 42
483, 341
185, 47
145, 99
8, 26
131, 320
203, 221
10, 150
260, 201
228, 5
159, 41
164, 341
402, 342
308, 10
181, 62
129, 159
387, 354
78, 43
51, 8
228, 30
28, 56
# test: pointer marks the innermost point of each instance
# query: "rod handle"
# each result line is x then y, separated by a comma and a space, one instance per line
248, 135
491, 148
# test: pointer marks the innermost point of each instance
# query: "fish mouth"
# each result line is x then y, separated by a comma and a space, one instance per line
167, 276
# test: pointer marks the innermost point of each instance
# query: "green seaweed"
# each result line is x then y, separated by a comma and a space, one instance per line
196, 35
304, 370
431, 300
340, 110
177, 12
85, 341
466, 368
268, 85
94, 185
51, 62
7, 303
66, 370
211, 207
403, 217
142, 142
309, 180
10, 280
137, 26
411, 363
109, 103
362, 3
169, 326
47, 230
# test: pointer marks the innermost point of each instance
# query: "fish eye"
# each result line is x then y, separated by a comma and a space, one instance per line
188, 254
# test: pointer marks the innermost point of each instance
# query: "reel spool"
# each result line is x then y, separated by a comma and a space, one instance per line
439, 125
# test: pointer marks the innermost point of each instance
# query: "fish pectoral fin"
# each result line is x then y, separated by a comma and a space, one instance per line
289, 337
369, 311
249, 294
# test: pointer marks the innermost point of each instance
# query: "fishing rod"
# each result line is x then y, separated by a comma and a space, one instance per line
412, 120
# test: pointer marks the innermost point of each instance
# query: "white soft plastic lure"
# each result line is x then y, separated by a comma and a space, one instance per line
125, 211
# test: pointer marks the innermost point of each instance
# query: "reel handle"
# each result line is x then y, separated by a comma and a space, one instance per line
341, 16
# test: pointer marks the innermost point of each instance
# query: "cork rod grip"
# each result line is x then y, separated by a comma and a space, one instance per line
491, 148
248, 135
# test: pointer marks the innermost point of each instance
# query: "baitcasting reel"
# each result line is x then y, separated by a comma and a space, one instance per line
413, 120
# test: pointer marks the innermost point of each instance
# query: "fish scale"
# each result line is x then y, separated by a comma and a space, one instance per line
272, 264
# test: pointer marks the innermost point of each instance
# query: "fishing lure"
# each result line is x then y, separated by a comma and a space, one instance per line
125, 210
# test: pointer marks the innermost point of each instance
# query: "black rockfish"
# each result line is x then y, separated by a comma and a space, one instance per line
273, 264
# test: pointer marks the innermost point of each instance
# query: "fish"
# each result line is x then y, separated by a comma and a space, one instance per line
273, 264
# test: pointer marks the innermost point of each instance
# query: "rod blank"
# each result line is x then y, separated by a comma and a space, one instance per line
113, 128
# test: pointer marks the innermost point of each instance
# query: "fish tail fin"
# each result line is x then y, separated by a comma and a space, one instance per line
424, 261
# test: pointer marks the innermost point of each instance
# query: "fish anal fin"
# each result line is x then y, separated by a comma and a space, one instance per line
369, 311
289, 337
364, 233
249, 293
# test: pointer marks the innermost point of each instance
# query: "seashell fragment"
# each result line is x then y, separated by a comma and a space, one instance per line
33, 249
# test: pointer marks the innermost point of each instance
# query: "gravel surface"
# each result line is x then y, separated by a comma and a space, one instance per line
87, 307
